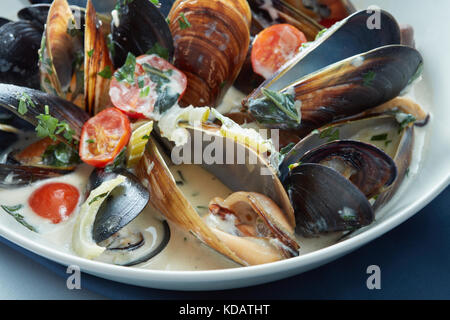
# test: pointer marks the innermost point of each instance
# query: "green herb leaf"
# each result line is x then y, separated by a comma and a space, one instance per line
368, 78
60, 155
155, 2
90, 141
144, 92
126, 72
146, 137
25, 102
379, 137
184, 23
100, 196
106, 73
284, 101
119, 162
90, 52
12, 211
330, 134
49, 126
159, 50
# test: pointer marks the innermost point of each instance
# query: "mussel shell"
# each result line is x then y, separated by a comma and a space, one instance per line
325, 201
402, 158
346, 130
371, 170
122, 206
4, 21
59, 108
141, 26
345, 88
346, 39
20, 42
96, 87
213, 49
279, 11
13, 176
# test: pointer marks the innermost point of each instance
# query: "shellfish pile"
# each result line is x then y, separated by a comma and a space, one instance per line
76, 75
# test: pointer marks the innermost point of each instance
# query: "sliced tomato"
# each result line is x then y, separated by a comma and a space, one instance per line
54, 201
273, 47
138, 100
103, 137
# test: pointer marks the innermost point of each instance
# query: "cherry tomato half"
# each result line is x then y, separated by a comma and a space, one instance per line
103, 137
274, 46
138, 100
54, 201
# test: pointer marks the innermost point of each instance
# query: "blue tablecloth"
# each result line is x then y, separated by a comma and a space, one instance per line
414, 260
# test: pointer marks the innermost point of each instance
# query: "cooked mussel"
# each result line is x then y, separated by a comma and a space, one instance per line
345, 88
139, 27
14, 172
122, 206
211, 41
20, 42
61, 51
325, 201
389, 133
328, 48
262, 195
368, 167
117, 227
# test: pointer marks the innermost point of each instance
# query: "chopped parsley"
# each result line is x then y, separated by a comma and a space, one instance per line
184, 23
146, 137
12, 211
119, 162
330, 134
60, 155
368, 78
144, 92
159, 50
25, 102
156, 2
126, 72
100, 196
90, 52
90, 141
49, 126
106, 73
379, 137
284, 102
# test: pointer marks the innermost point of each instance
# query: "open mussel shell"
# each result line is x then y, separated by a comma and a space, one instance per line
238, 167
132, 245
369, 168
343, 89
61, 44
61, 109
212, 50
329, 48
325, 201
122, 206
96, 60
138, 28
19, 58
383, 131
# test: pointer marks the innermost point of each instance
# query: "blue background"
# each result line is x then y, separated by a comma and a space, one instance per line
414, 260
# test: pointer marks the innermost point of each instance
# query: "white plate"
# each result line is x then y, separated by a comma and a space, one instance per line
430, 172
